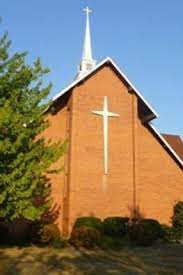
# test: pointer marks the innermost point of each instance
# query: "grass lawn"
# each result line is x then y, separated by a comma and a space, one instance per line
165, 259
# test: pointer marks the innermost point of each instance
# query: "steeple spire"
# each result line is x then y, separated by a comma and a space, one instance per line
87, 51
87, 62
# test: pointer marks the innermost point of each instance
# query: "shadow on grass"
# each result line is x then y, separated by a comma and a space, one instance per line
35, 260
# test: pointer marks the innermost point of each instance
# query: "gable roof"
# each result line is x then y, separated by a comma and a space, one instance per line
168, 144
109, 60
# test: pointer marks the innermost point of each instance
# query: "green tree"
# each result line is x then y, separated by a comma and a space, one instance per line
25, 157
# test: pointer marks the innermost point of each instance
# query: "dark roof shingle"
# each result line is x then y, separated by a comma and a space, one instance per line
176, 142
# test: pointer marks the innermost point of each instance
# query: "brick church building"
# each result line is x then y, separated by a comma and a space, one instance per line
116, 163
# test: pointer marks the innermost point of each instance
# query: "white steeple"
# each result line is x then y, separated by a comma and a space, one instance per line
87, 62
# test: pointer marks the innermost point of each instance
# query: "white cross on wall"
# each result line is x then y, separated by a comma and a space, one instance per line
105, 114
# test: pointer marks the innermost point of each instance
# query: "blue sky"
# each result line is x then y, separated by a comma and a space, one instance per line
145, 38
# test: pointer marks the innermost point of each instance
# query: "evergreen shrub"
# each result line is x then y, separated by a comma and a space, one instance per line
145, 232
89, 222
115, 226
157, 229
85, 236
49, 233
46, 234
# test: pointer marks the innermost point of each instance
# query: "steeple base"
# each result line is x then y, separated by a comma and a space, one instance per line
85, 67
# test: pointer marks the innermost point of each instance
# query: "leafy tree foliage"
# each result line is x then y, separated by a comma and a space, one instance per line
25, 157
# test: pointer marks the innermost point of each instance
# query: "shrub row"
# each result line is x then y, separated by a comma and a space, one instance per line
112, 226
89, 231
139, 232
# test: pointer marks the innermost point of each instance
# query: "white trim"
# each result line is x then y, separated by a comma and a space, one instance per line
133, 87
108, 59
74, 83
166, 144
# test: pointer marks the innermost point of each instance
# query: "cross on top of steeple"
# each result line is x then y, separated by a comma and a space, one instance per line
87, 61
87, 10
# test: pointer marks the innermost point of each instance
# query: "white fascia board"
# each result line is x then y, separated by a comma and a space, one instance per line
74, 83
166, 144
132, 86
108, 59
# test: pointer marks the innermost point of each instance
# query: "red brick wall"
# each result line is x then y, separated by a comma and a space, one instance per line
160, 182
58, 131
141, 172
92, 193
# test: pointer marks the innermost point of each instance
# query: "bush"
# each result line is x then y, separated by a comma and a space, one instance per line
157, 229
177, 219
89, 222
49, 233
145, 232
46, 234
85, 236
115, 226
